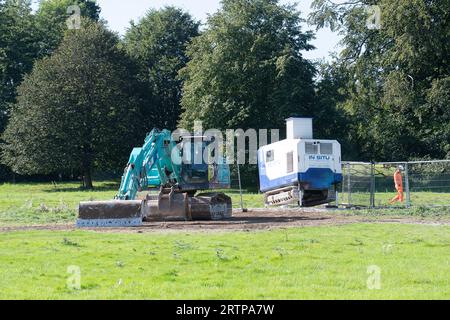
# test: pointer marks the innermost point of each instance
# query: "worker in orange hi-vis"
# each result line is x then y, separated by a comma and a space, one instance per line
398, 179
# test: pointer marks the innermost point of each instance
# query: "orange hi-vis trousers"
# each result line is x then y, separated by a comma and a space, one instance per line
399, 196
398, 179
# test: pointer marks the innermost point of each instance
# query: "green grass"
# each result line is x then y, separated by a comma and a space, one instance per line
40, 203
250, 199
315, 262
43, 203
303, 263
422, 198
432, 214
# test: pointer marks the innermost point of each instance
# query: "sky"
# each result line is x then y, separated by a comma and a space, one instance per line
119, 13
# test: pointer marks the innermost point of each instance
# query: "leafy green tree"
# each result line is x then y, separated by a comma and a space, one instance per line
393, 73
18, 50
330, 120
25, 37
76, 110
437, 111
158, 43
246, 68
53, 17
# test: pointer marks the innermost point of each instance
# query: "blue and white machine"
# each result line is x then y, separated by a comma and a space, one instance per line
300, 170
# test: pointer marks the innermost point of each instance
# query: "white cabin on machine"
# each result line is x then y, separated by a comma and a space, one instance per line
299, 169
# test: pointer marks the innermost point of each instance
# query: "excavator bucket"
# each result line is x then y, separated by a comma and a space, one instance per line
167, 205
114, 213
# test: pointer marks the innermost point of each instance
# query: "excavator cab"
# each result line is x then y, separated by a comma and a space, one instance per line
200, 169
194, 170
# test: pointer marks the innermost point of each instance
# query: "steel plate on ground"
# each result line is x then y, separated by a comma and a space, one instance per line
115, 213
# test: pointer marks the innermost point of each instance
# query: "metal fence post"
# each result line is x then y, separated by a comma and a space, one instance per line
336, 195
240, 187
372, 185
408, 195
349, 186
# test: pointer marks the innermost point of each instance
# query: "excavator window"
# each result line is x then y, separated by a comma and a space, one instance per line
193, 172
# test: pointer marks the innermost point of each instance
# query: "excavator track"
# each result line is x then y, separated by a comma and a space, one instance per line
172, 205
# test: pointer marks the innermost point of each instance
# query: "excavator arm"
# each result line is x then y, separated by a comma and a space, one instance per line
155, 154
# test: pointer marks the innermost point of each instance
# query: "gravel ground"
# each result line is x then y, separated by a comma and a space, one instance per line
255, 219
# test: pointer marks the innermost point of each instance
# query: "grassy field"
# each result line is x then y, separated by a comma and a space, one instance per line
43, 203
37, 203
299, 263
417, 198
307, 263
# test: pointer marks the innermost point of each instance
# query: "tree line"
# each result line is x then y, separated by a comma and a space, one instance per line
77, 100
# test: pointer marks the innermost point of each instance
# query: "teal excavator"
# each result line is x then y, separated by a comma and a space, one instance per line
160, 183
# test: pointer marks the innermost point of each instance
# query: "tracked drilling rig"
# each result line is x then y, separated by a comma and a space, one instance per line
300, 170
160, 183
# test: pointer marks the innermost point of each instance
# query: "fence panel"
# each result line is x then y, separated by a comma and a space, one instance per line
425, 183
385, 193
356, 184
429, 183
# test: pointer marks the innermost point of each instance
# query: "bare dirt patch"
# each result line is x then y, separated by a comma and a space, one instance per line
253, 220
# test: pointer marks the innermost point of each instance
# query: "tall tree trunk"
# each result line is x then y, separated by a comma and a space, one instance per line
87, 179
86, 163
87, 173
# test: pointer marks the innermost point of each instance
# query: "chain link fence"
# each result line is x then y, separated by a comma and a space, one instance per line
425, 183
